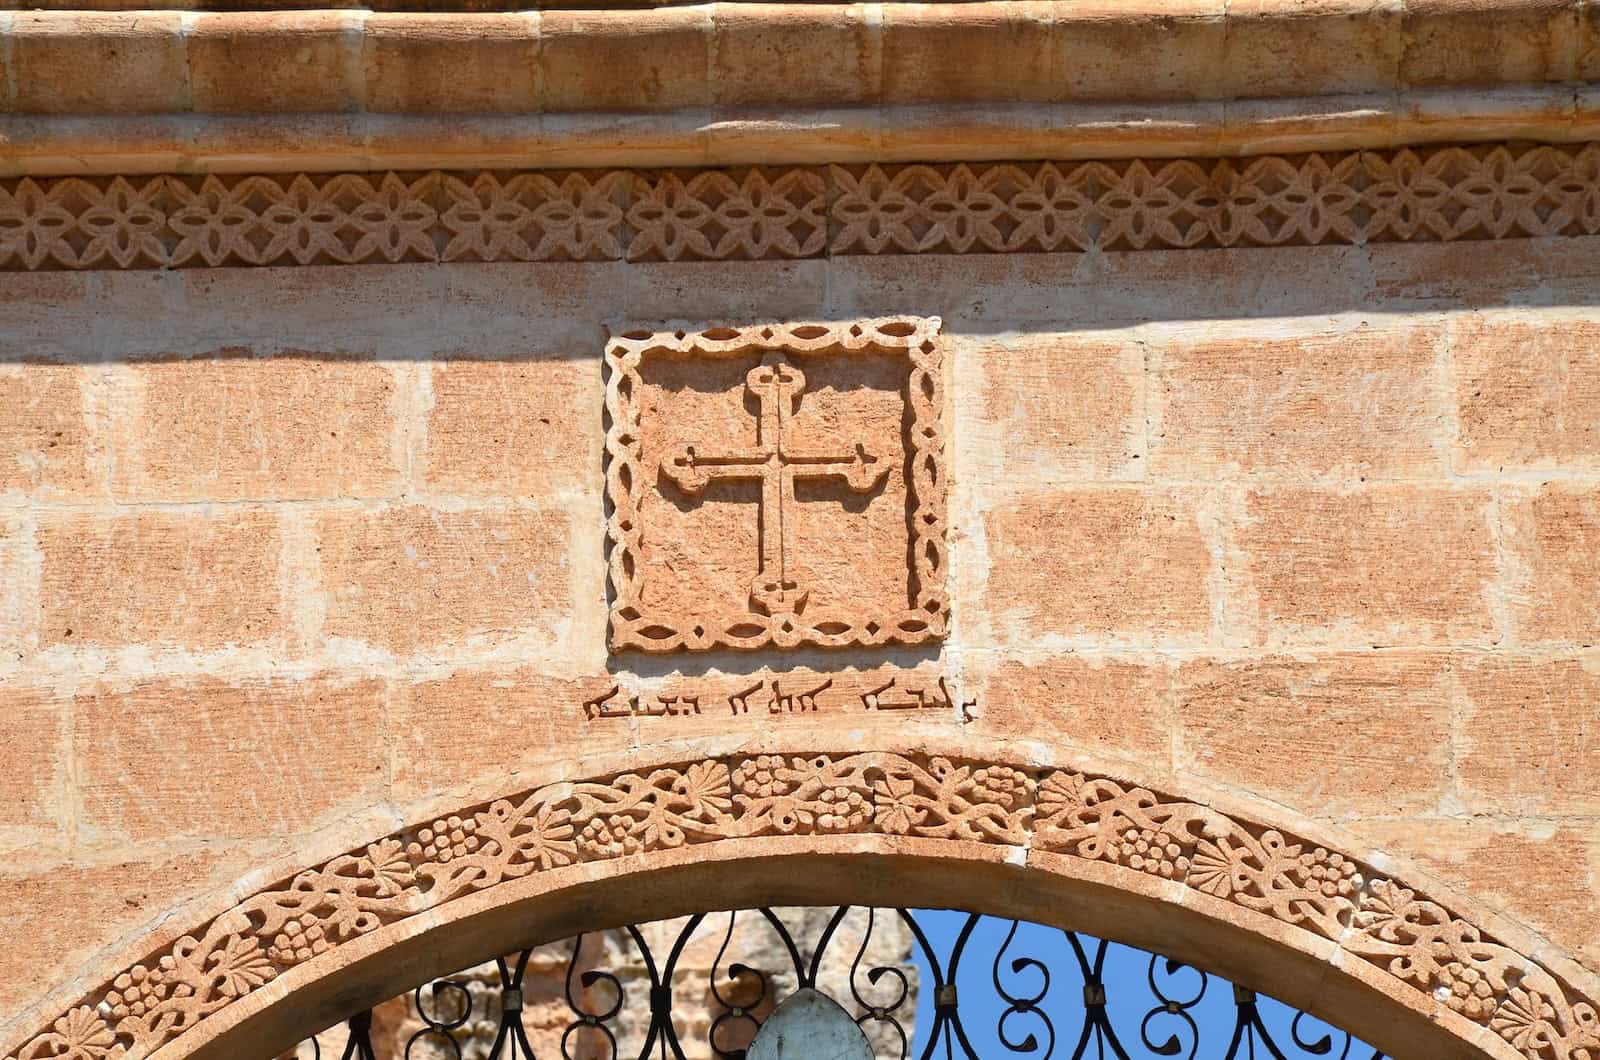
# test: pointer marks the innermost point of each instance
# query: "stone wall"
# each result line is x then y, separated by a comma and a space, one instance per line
290, 557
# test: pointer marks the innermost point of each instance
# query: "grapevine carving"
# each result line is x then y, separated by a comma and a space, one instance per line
305, 919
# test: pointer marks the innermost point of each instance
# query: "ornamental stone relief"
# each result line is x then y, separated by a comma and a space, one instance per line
1429, 952
1404, 195
776, 486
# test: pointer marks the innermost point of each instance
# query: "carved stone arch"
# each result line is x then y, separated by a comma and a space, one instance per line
1282, 906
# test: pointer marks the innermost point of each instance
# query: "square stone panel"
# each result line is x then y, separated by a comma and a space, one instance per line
776, 485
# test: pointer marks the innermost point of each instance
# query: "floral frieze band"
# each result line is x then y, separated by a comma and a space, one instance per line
1405, 195
1429, 950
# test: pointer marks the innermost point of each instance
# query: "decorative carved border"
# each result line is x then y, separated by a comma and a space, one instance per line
927, 617
1419, 942
1424, 195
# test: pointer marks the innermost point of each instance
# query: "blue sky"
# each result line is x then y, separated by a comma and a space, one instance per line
1127, 972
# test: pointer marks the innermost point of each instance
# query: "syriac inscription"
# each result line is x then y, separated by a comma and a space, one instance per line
776, 486
783, 694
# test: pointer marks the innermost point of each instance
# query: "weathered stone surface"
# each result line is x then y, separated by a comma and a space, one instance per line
1544, 872
203, 757
457, 62
1353, 403
1119, 706
1348, 735
1079, 402
274, 61
44, 441
136, 67
411, 578
165, 579
19, 605
1120, 563
1528, 393
233, 426
450, 730
1529, 738
1555, 533
590, 60
986, 50
36, 760
519, 428
1376, 566
70, 913
766, 55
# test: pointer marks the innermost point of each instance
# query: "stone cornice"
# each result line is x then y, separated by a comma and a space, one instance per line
101, 92
1439, 195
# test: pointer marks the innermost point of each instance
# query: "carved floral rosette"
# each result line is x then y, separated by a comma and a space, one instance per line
927, 614
1330, 894
1488, 191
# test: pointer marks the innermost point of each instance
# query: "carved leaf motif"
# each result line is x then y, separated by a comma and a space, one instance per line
1282, 877
239, 966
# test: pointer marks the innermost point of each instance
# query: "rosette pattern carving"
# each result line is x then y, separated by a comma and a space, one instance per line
1491, 191
303, 920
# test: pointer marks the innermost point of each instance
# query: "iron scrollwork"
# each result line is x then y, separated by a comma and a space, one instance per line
1024, 989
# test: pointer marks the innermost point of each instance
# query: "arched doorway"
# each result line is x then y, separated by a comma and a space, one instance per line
893, 983
1284, 908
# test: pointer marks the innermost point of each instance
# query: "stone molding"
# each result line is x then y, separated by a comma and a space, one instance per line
676, 55
1427, 955
107, 91
926, 614
1491, 191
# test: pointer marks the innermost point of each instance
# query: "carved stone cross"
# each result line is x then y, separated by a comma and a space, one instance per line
768, 410
777, 463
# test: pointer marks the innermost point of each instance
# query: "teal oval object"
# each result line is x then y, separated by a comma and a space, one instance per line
810, 1026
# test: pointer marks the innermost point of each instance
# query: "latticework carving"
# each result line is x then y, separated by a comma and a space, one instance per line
926, 615
1291, 880
1405, 195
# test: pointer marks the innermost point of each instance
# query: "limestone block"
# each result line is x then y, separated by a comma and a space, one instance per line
1106, 50
231, 425
60, 919
1360, 403
512, 428
451, 63
1554, 531
1527, 392
1542, 872
409, 578
35, 759
282, 62
1079, 401
1324, 46
1529, 740
487, 723
1115, 563
184, 580
795, 55
997, 50
44, 437
140, 65
1349, 735
1451, 42
598, 60
1121, 706
208, 757
1371, 566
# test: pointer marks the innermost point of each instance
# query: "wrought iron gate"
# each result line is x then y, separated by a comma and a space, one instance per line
972, 987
